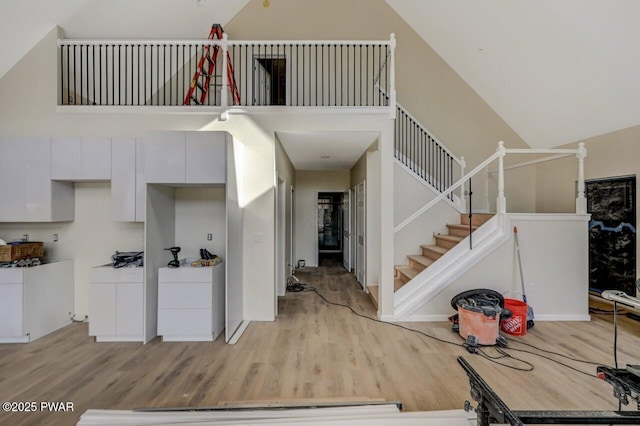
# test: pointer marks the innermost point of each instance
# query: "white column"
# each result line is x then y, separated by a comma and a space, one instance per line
486, 189
392, 77
581, 200
224, 95
501, 203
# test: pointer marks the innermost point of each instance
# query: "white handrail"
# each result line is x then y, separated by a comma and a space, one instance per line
531, 162
206, 42
580, 153
449, 190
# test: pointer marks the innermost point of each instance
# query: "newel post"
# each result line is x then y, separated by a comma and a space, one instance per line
581, 200
392, 77
463, 200
501, 202
224, 95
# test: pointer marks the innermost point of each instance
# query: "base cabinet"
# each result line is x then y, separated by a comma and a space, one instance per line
190, 303
116, 304
35, 301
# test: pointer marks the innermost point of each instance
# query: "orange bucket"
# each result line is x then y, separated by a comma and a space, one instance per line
516, 325
477, 324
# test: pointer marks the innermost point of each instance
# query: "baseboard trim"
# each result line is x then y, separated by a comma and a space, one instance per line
428, 318
236, 336
562, 318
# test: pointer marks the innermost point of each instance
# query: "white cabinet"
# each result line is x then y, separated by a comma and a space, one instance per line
190, 303
27, 193
35, 301
206, 157
116, 304
81, 159
186, 157
127, 180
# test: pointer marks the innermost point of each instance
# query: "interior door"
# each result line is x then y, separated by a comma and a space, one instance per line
360, 234
261, 83
346, 230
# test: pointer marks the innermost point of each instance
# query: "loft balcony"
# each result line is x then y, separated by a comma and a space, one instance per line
244, 75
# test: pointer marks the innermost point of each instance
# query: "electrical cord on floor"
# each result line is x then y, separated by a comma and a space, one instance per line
503, 355
556, 361
73, 319
598, 311
584, 361
300, 287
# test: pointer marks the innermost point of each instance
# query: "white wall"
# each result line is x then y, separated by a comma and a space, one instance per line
286, 179
610, 155
408, 240
308, 184
373, 212
200, 211
554, 252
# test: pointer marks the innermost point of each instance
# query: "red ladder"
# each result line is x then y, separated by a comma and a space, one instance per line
208, 72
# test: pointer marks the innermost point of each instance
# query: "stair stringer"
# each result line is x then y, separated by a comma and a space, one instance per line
444, 271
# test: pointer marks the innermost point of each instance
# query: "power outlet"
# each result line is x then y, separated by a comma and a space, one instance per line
209, 237
55, 238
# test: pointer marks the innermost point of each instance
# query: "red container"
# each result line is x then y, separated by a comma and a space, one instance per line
477, 324
516, 325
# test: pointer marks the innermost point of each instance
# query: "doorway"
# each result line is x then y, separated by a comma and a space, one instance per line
329, 223
269, 81
612, 234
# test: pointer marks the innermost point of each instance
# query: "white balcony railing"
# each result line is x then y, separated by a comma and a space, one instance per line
264, 73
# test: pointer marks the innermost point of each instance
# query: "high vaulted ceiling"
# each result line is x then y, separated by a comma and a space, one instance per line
555, 71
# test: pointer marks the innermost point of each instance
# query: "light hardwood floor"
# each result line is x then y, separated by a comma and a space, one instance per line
313, 350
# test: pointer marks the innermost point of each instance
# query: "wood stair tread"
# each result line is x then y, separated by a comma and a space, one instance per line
434, 248
423, 260
461, 226
452, 238
476, 218
408, 271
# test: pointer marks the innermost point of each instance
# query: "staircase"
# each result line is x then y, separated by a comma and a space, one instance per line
432, 252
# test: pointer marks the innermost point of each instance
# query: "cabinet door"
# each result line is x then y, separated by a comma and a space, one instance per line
96, 159
185, 322
38, 180
184, 295
129, 309
165, 157
12, 181
11, 323
123, 179
66, 159
77, 159
102, 309
206, 157
141, 185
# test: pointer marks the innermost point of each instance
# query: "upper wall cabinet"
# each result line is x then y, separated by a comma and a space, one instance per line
127, 180
186, 157
27, 193
85, 159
